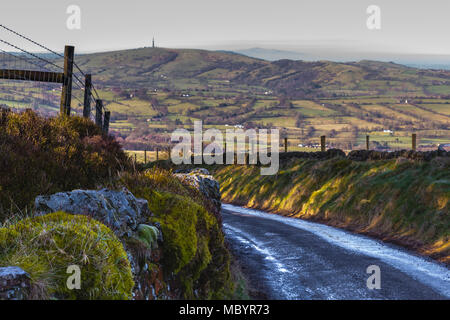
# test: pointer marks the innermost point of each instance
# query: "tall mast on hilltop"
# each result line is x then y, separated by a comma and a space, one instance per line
153, 42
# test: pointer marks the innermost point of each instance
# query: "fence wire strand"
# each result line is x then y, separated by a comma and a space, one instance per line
40, 61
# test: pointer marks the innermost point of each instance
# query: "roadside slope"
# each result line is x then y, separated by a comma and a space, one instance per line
401, 201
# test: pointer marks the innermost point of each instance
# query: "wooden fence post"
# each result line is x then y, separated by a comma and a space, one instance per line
285, 145
145, 156
414, 141
106, 122
98, 113
157, 154
201, 152
322, 143
224, 153
87, 96
367, 142
66, 94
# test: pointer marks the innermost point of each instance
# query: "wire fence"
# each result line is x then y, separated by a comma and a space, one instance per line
42, 67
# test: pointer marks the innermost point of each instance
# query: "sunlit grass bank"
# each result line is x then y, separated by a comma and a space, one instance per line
401, 200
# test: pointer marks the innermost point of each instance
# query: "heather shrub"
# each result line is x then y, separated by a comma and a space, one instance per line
45, 156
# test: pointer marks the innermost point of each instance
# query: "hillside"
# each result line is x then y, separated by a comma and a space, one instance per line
178, 68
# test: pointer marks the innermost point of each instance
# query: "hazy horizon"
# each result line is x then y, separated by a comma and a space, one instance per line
406, 26
324, 29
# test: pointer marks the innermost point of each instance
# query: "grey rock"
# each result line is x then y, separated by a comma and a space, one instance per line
14, 283
201, 179
119, 210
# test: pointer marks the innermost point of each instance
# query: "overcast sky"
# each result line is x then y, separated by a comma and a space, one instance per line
407, 26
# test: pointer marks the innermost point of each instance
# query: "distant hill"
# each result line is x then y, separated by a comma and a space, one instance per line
271, 54
435, 66
190, 68
420, 61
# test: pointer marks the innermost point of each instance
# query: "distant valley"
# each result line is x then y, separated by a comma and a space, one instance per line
152, 91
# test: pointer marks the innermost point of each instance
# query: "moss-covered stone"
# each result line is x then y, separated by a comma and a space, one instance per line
46, 246
195, 258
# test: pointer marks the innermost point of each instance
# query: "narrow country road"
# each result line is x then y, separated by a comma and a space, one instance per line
286, 258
